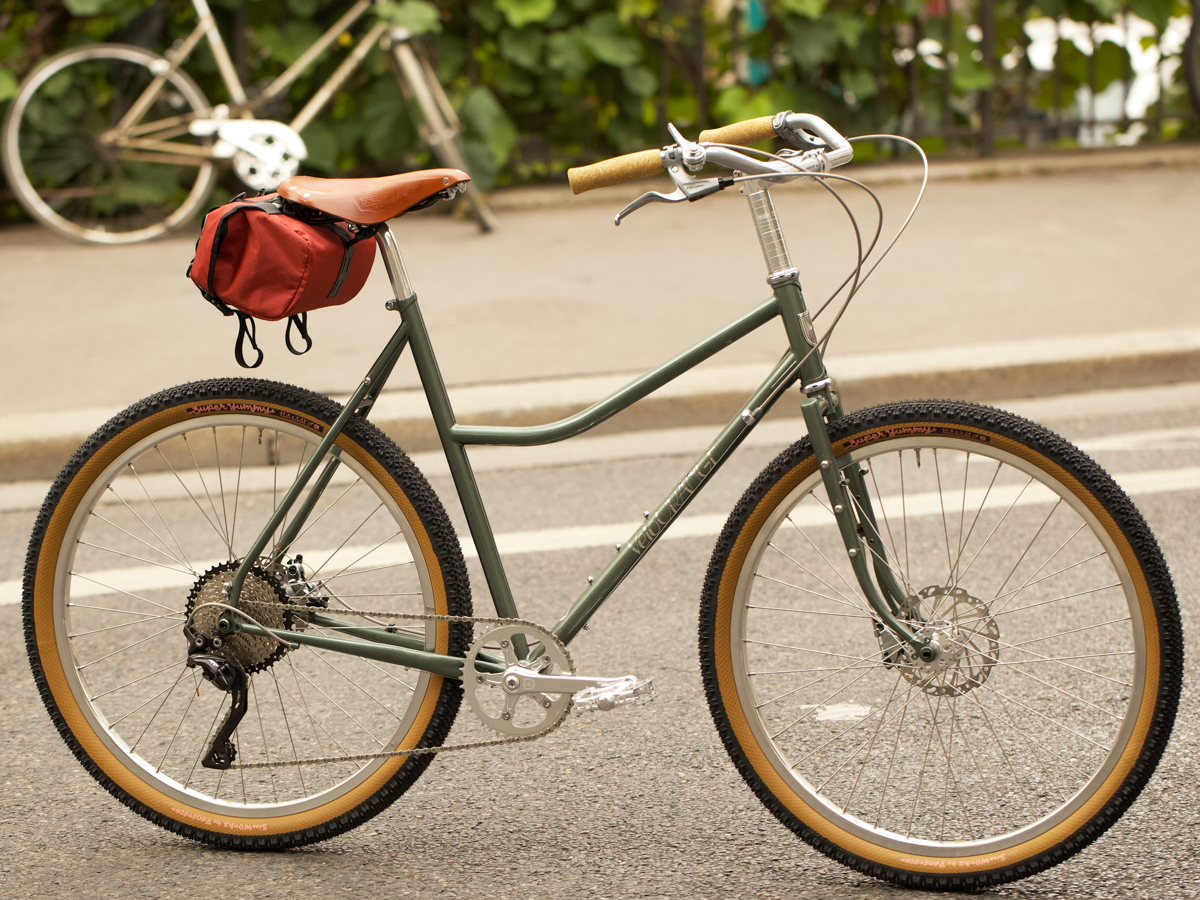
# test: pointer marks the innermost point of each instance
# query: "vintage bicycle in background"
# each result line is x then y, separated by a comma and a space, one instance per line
115, 144
939, 642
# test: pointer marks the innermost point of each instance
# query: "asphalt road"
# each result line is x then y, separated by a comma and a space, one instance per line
635, 803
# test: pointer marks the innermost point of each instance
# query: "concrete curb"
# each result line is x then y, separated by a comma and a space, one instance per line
1025, 165
36, 446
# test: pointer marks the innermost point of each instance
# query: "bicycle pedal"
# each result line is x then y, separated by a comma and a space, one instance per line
628, 690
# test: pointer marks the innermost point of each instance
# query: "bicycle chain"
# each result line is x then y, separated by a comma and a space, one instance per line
420, 751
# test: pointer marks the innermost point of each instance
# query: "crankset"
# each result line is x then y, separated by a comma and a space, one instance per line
532, 694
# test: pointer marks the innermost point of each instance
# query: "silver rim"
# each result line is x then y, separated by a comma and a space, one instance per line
161, 515
98, 232
1018, 725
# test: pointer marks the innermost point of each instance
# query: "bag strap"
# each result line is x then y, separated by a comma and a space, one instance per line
222, 230
247, 329
301, 323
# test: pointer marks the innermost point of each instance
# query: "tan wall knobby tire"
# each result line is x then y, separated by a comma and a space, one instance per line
815, 770
276, 410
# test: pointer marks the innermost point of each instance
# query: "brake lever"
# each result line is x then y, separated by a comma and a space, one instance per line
651, 197
678, 160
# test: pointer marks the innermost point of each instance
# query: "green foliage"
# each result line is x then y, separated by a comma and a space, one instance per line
544, 84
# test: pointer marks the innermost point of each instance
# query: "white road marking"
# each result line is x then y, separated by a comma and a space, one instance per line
579, 537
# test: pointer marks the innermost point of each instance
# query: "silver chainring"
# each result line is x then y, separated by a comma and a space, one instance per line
505, 708
962, 628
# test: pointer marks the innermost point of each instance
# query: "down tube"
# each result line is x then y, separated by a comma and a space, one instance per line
632, 552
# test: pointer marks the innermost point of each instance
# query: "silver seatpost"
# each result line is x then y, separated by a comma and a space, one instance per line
394, 264
775, 252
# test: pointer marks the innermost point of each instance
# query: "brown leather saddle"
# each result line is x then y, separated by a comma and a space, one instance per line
366, 201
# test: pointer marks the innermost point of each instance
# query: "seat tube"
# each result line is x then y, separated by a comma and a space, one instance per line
443, 418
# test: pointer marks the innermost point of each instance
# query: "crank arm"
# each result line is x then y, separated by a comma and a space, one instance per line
519, 680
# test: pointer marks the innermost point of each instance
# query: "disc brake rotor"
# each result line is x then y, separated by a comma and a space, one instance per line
962, 629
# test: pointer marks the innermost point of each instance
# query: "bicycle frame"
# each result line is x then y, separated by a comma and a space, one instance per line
802, 361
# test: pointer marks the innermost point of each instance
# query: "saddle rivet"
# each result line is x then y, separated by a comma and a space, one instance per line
446, 180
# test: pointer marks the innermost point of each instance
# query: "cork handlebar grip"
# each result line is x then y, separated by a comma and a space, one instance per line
617, 170
752, 131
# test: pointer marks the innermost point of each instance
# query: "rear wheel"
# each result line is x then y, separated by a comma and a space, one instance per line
148, 523
64, 160
1061, 660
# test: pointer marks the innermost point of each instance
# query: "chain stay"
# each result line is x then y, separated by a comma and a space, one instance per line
415, 751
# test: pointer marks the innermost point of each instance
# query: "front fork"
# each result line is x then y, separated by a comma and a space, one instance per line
844, 481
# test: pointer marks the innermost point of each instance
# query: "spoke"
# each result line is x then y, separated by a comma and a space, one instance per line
811, 612
319, 568
204, 743
887, 778
824, 702
887, 526
171, 556
316, 723
937, 471
861, 602
357, 481
146, 703
138, 558
237, 491
962, 521
192, 497
1072, 631
127, 647
877, 665
96, 515
1083, 561
128, 612
904, 518
170, 665
1032, 742
1028, 547
116, 590
804, 649
168, 692
1106, 587
221, 488
974, 521
224, 535
1049, 559
345, 574
992, 533
1013, 700
291, 740
878, 727
852, 667
266, 749
317, 687
924, 764
191, 699
79, 634
359, 687
312, 721
797, 587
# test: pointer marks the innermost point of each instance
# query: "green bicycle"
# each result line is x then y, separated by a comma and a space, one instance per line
938, 642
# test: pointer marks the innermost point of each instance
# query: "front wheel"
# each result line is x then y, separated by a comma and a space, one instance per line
146, 525
78, 167
1061, 649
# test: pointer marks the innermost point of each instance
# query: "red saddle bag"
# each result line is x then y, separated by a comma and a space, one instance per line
266, 258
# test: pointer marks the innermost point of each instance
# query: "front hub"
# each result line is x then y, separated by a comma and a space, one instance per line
963, 641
